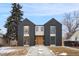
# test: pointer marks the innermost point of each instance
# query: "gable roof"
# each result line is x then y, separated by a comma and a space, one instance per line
53, 20
27, 21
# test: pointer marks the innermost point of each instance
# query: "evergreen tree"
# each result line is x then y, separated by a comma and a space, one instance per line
12, 22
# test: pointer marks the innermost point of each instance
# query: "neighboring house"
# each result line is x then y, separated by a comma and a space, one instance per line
73, 41
2, 41
75, 36
48, 34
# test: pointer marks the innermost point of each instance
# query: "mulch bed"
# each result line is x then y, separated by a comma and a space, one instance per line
69, 51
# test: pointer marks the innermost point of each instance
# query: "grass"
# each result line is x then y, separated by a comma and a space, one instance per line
69, 51
20, 51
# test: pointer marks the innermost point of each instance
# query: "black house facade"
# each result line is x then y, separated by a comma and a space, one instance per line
48, 34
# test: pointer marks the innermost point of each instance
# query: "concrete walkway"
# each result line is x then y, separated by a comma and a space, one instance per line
40, 50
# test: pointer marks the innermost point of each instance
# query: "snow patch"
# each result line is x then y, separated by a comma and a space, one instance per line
40, 49
40, 52
6, 49
63, 54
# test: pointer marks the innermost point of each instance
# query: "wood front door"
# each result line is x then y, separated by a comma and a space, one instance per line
39, 40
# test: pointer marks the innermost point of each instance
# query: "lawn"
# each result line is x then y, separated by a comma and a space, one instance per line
65, 51
13, 51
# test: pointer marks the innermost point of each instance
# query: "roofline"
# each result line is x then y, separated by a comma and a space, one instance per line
48, 21
43, 24
52, 19
29, 20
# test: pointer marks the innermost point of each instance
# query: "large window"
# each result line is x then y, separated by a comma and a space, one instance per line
26, 30
52, 29
53, 34
53, 38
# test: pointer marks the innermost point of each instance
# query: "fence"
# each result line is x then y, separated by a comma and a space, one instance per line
71, 43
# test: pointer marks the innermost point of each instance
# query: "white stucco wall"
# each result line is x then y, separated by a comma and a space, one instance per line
38, 30
75, 36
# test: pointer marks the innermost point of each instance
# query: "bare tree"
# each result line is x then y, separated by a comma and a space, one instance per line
71, 21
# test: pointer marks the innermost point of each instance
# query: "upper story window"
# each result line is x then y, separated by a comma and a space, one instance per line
26, 29
42, 28
52, 29
39, 30
36, 28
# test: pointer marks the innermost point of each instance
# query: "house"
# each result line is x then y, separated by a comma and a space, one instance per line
75, 36
73, 40
48, 34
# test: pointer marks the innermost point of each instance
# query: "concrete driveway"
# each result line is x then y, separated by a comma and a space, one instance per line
40, 50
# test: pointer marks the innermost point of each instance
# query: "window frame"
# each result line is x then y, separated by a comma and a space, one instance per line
42, 28
26, 30
52, 29
36, 28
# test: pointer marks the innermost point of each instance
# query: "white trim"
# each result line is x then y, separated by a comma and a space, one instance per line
26, 34
52, 34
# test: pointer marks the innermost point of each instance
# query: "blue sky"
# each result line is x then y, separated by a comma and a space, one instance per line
38, 13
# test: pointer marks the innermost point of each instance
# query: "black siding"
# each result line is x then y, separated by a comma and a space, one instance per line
20, 34
47, 40
26, 22
46, 35
53, 22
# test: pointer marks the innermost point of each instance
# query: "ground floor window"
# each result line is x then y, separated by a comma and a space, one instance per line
26, 35
53, 40
26, 40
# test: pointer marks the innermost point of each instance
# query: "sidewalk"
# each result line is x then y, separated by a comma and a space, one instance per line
40, 50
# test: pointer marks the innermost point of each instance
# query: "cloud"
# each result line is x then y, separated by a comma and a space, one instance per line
48, 9
42, 9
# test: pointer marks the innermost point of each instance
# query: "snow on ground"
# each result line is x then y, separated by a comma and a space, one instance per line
13, 51
63, 54
6, 49
39, 50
